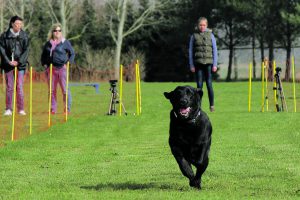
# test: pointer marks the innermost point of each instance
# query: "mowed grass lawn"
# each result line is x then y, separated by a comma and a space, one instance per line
93, 156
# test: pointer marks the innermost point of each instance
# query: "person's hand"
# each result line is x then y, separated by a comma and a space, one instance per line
214, 68
192, 69
13, 63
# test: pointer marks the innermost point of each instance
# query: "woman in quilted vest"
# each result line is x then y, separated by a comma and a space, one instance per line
203, 57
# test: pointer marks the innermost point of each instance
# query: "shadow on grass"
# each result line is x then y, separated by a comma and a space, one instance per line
131, 186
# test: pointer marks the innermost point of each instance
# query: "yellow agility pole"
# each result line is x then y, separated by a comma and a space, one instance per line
67, 91
121, 90
250, 87
14, 105
294, 86
266, 65
262, 86
274, 85
50, 94
139, 88
30, 103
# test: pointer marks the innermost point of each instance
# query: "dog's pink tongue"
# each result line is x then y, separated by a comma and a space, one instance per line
184, 110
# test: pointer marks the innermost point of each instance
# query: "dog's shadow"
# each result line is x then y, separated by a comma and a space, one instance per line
130, 186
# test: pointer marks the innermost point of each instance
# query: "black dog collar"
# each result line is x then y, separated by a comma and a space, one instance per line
193, 121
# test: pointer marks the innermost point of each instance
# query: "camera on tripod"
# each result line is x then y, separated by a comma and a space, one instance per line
114, 98
279, 91
113, 83
278, 70
277, 74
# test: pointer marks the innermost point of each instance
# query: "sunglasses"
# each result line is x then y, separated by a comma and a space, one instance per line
56, 30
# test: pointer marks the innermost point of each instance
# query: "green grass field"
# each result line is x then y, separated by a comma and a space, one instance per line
93, 156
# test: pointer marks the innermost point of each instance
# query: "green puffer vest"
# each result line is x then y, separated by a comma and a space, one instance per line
203, 48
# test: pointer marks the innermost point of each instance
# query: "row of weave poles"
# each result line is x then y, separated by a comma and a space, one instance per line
30, 99
277, 87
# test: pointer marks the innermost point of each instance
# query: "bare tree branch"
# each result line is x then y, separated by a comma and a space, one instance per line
120, 3
28, 25
81, 33
138, 23
12, 8
112, 8
2, 4
118, 19
20, 10
112, 32
53, 15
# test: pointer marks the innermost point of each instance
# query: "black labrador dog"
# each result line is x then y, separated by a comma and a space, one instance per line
190, 132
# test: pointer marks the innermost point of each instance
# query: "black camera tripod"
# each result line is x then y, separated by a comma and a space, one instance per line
114, 99
279, 93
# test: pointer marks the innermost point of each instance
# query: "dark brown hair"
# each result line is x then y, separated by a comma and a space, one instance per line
13, 19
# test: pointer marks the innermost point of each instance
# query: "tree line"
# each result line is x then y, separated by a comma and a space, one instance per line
105, 33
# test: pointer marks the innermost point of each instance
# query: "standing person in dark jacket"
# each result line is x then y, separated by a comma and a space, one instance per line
14, 47
203, 57
57, 51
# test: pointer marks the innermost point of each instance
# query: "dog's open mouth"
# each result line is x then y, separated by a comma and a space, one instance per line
184, 111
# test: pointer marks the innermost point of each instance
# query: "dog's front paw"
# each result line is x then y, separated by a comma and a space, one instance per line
196, 183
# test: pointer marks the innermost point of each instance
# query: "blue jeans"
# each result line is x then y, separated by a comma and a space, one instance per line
204, 72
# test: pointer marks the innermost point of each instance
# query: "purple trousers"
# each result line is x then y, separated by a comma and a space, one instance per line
59, 76
9, 77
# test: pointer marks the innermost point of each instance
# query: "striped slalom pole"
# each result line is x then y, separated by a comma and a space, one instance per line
250, 87
50, 94
121, 90
30, 103
294, 85
67, 91
14, 105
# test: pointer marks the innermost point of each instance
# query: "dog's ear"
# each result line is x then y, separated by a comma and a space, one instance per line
168, 95
200, 92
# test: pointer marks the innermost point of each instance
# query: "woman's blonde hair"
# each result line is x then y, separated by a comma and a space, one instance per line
53, 27
202, 19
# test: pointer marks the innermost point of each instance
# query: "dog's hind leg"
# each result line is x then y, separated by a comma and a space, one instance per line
185, 167
196, 182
